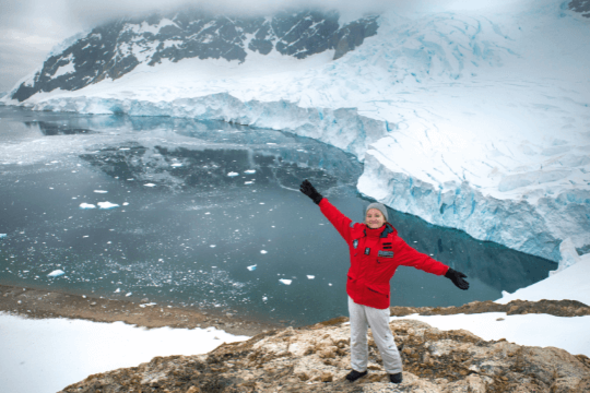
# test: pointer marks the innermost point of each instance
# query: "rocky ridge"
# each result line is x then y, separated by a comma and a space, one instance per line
316, 359
114, 49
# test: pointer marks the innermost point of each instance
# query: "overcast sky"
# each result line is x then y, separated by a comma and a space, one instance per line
31, 28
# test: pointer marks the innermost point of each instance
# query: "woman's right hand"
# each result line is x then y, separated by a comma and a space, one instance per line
310, 191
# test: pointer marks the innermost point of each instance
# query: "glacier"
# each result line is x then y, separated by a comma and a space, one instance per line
473, 118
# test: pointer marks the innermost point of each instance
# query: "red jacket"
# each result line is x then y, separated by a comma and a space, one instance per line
375, 254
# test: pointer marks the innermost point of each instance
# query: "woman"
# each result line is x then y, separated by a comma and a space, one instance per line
375, 253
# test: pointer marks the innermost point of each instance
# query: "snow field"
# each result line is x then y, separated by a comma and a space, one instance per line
30, 348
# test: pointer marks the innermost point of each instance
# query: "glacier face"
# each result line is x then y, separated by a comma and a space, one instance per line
473, 119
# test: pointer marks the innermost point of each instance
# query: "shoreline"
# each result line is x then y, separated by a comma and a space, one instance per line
44, 304
36, 303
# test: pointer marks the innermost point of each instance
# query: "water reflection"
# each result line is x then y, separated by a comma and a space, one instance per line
206, 214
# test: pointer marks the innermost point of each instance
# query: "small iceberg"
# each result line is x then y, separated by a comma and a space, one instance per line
285, 281
3, 235
176, 165
310, 277
263, 252
87, 206
107, 205
149, 185
252, 267
250, 171
56, 273
100, 191
233, 174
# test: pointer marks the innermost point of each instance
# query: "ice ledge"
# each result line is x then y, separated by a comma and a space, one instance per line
343, 128
535, 226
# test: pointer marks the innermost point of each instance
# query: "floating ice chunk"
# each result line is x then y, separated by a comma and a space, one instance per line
264, 298
100, 191
107, 205
252, 267
233, 174
118, 290
149, 185
212, 245
248, 182
263, 252
147, 305
124, 149
270, 143
125, 203
2, 235
250, 171
285, 281
310, 277
176, 165
56, 273
129, 294
87, 206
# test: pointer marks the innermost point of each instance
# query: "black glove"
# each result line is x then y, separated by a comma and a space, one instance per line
457, 279
311, 192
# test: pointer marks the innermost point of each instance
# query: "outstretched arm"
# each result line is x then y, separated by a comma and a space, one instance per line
411, 257
336, 218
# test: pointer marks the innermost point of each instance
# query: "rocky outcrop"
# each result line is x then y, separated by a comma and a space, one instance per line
316, 359
560, 308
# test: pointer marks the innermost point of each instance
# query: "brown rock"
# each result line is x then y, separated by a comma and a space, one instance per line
326, 376
438, 362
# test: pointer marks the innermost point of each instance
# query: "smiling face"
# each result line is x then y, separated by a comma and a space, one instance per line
374, 219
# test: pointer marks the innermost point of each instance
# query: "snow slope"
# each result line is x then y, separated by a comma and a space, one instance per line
30, 347
470, 116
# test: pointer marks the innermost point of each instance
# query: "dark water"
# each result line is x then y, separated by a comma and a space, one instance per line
207, 215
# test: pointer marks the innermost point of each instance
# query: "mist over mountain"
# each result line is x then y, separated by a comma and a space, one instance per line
114, 49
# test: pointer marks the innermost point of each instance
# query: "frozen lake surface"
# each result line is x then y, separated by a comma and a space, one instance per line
206, 215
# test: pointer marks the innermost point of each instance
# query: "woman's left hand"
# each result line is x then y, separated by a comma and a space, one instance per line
457, 278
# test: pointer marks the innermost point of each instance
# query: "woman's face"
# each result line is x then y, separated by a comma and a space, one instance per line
374, 219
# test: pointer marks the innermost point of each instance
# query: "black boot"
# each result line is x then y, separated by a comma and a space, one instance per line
395, 378
354, 375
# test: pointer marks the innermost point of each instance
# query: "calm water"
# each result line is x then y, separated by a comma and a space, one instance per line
207, 215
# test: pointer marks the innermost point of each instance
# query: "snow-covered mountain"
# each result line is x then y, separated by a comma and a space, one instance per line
471, 116
112, 50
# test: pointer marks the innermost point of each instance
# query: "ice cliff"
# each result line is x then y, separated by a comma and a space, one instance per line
474, 118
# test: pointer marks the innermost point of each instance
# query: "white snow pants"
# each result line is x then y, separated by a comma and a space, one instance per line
361, 318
